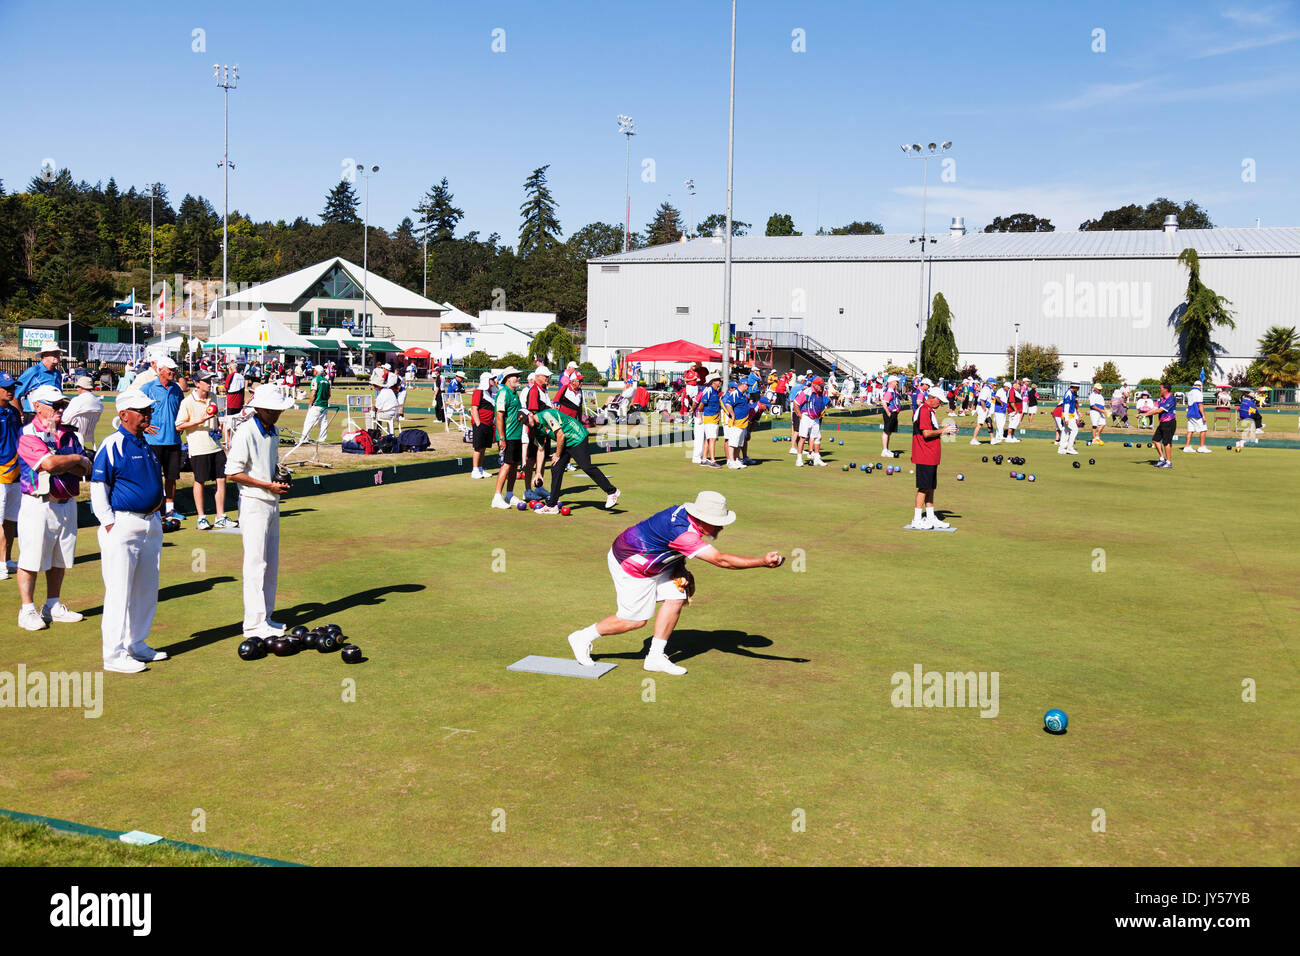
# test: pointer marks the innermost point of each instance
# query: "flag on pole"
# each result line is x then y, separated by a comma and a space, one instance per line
160, 308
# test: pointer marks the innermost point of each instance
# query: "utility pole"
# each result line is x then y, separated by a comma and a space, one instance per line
228, 83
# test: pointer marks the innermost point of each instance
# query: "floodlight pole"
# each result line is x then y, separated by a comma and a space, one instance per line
1015, 361
365, 258
627, 127
731, 154
916, 153
227, 84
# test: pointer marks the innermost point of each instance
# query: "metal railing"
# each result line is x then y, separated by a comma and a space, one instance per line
805, 343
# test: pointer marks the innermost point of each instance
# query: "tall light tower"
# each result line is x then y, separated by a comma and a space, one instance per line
925, 155
690, 188
365, 258
628, 129
227, 78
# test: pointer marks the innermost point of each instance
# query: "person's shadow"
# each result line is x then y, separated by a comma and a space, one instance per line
685, 644
291, 617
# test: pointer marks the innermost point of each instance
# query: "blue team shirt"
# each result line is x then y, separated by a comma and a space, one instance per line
812, 405
130, 473
1168, 408
1070, 403
11, 423
1247, 408
739, 404
166, 403
710, 403
34, 378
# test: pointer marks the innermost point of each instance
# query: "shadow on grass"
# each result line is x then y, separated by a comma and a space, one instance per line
685, 644
291, 617
188, 589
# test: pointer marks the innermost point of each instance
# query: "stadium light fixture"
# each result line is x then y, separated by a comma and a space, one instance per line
947, 145
227, 84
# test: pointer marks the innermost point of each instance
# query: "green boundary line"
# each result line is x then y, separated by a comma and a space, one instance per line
81, 829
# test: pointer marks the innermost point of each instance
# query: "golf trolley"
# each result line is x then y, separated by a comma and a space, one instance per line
286, 434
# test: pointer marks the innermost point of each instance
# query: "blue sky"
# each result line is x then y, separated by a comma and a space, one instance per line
1182, 95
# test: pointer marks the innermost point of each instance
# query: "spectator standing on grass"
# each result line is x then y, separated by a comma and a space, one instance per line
126, 492
11, 492
1196, 418
983, 410
891, 405
709, 407
812, 404
509, 435
927, 450
46, 371
84, 411
254, 455
482, 409
234, 386
161, 432
1069, 420
51, 464
197, 421
1097, 413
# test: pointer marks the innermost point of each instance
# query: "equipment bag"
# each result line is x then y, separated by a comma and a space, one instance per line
414, 439
387, 445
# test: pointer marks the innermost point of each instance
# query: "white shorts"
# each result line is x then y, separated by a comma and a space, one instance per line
692, 391
1195, 425
710, 430
47, 533
981, 414
1014, 420
735, 436
810, 428
1031, 410
637, 596
1098, 418
11, 498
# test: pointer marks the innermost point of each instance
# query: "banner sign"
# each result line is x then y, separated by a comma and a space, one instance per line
39, 338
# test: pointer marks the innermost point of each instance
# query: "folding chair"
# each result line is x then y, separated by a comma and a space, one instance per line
365, 406
286, 461
453, 412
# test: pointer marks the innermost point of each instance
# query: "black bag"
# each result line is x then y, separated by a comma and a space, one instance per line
387, 445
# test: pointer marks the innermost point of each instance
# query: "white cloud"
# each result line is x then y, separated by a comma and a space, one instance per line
1100, 94
1256, 17
1252, 43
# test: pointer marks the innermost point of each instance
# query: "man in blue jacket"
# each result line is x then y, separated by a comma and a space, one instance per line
161, 434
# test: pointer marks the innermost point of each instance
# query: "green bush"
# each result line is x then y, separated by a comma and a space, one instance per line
591, 374
1038, 363
478, 359
1107, 374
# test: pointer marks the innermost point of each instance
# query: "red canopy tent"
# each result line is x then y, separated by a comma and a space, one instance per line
679, 351
416, 352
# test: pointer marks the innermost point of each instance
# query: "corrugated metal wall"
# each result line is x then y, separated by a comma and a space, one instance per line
1094, 307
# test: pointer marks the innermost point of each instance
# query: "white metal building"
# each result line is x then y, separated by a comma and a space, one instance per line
1094, 295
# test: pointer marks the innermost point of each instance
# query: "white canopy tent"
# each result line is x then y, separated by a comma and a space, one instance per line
262, 330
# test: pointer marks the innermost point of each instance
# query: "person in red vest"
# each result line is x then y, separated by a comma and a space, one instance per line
568, 398
234, 388
927, 449
483, 414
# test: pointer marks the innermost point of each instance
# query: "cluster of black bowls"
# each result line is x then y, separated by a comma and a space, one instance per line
326, 639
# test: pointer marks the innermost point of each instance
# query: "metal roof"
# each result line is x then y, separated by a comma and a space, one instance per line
1120, 244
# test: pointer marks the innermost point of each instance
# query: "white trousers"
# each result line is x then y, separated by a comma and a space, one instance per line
697, 442
1069, 431
129, 556
259, 523
999, 425
315, 416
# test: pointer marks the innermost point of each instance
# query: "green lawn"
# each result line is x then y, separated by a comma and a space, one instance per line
34, 844
787, 705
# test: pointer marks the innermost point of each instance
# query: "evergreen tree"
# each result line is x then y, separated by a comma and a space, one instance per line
939, 355
1020, 222
1203, 311
437, 216
859, 229
665, 227
1152, 216
341, 204
541, 228
716, 225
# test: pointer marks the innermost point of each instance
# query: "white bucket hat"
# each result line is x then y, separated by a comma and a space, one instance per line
271, 398
711, 508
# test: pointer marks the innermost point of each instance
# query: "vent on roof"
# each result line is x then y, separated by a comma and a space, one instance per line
1171, 223
683, 310
609, 268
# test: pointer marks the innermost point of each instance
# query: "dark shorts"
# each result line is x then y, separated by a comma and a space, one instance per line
927, 477
208, 467
1165, 432
484, 437
169, 456
514, 452
891, 422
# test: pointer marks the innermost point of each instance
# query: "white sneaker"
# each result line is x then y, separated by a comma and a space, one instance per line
1203, 450
733, 465
499, 502
996, 441
798, 462
477, 473
819, 463
889, 454
974, 441
276, 628
581, 649
612, 500
794, 451
936, 524
922, 525
124, 665
61, 613
661, 663
4, 571
1189, 448
145, 653
1072, 451
31, 620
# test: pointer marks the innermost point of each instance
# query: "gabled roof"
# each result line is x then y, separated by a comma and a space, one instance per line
1120, 244
290, 288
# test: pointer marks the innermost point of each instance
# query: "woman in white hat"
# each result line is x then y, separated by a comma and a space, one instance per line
648, 565
252, 464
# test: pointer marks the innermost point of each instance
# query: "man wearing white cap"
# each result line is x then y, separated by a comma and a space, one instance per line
161, 432
45, 372
648, 565
254, 454
51, 464
126, 493
891, 404
84, 411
